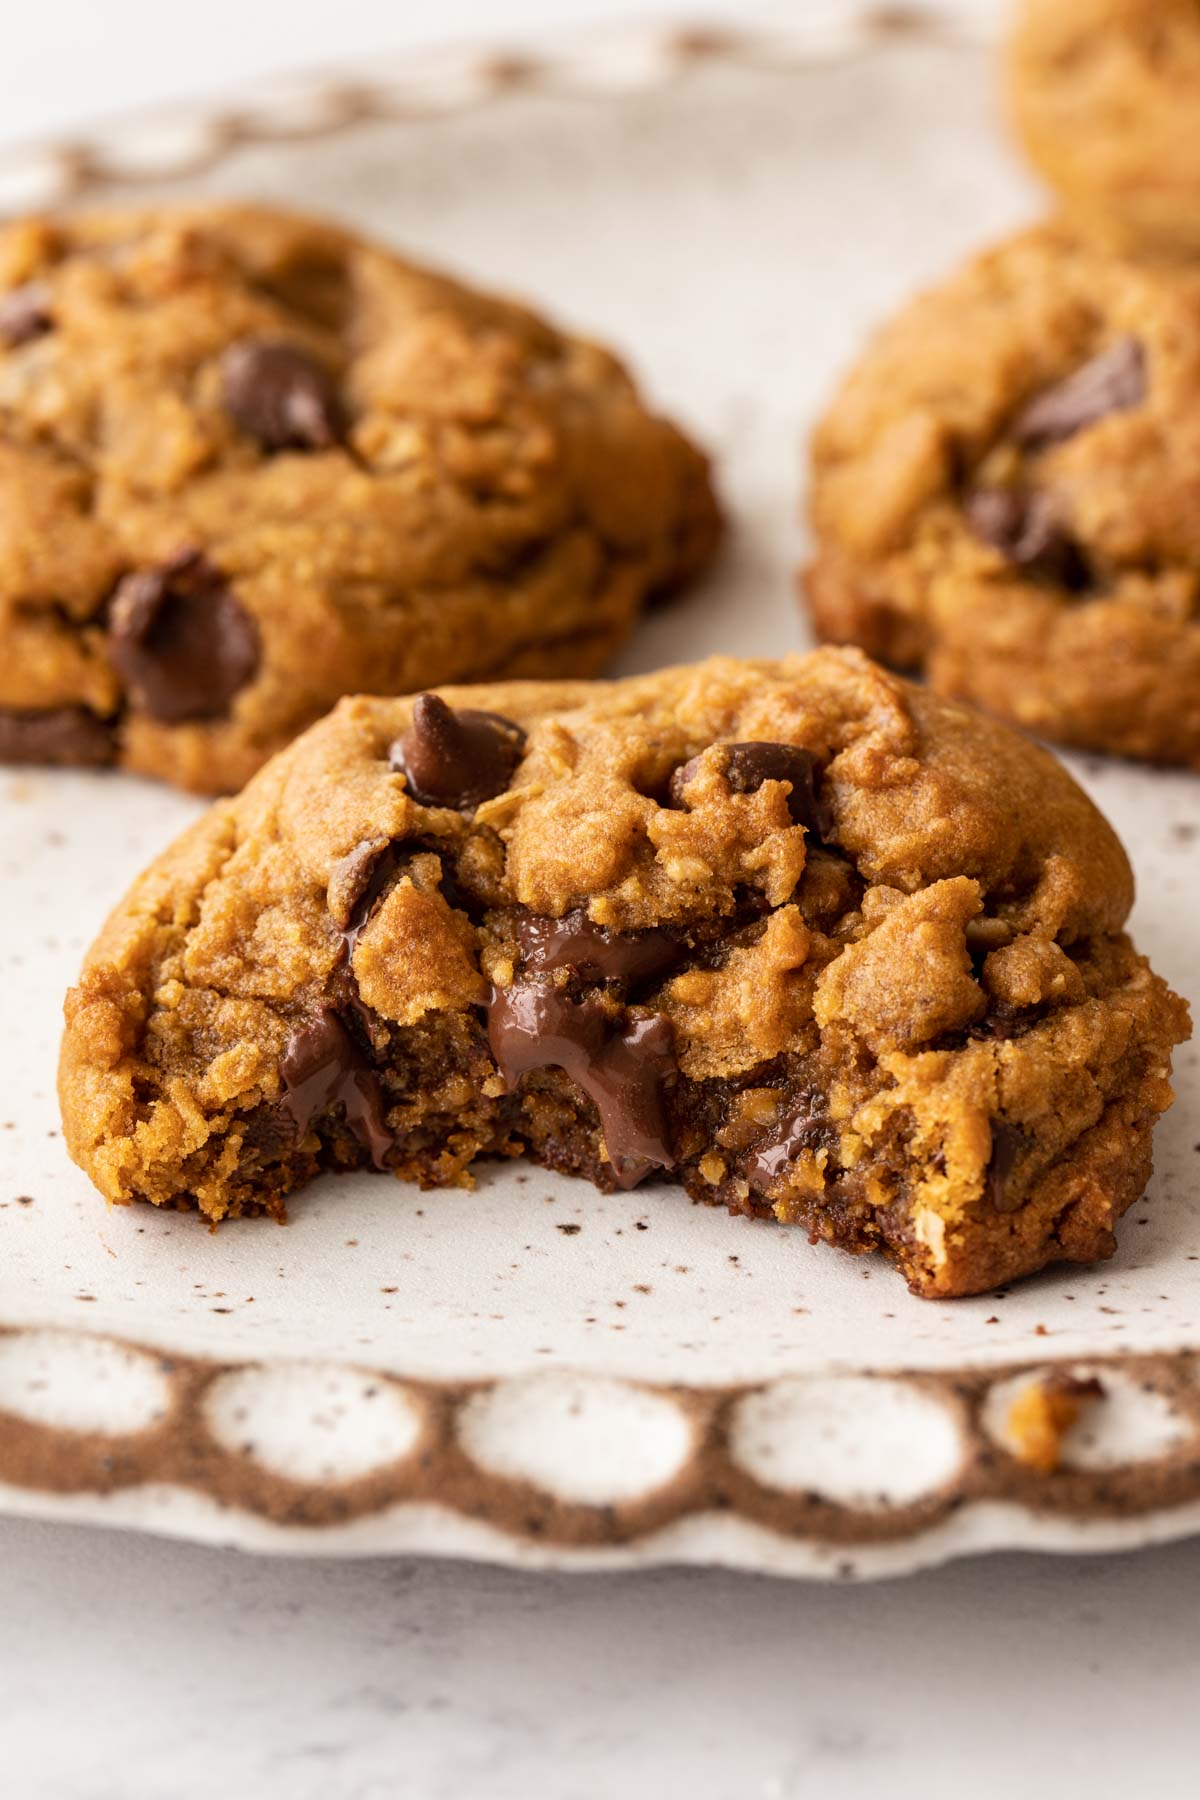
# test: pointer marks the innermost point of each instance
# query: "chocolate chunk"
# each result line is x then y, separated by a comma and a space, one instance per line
1007, 1145
180, 641
460, 759
321, 1068
573, 942
1112, 382
747, 766
357, 882
279, 394
1023, 526
63, 735
804, 1127
621, 1068
25, 314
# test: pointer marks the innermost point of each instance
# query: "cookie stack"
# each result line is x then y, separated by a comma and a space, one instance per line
284, 514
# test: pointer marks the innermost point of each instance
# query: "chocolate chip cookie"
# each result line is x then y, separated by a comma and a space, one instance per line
250, 463
1106, 97
818, 945
1006, 492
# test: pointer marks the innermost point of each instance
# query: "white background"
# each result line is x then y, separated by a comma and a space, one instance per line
136, 1670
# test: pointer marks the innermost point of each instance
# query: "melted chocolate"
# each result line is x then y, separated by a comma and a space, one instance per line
747, 766
181, 642
1007, 1145
1112, 382
621, 1068
25, 314
456, 758
321, 1068
281, 395
574, 942
64, 735
1023, 526
359, 881
805, 1127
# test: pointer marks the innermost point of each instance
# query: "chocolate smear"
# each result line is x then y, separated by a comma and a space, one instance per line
456, 758
574, 942
321, 1068
1023, 525
181, 642
62, 735
747, 766
25, 314
621, 1068
1114, 381
805, 1126
281, 395
1007, 1145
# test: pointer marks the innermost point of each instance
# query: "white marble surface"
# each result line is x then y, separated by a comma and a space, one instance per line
132, 1669
136, 1670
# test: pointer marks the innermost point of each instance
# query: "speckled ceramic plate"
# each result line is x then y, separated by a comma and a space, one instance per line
534, 1372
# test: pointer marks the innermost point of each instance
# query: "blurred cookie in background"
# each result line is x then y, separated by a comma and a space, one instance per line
1105, 95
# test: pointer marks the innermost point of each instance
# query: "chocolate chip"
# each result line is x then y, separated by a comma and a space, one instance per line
1112, 382
25, 314
574, 942
747, 766
357, 881
460, 759
63, 735
804, 1127
1023, 526
321, 1068
1007, 1145
181, 642
621, 1068
279, 394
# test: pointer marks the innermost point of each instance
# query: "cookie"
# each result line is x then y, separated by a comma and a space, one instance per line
1105, 95
813, 942
251, 463
1006, 493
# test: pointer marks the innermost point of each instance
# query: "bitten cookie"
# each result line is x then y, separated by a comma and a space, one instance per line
811, 941
251, 463
1006, 492
1105, 95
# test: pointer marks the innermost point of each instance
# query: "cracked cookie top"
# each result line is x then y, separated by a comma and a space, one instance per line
814, 941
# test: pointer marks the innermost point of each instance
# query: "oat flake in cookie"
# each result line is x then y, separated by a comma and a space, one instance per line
1006, 493
807, 939
250, 463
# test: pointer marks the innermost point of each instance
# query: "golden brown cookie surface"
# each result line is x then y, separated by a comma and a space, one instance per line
250, 463
808, 939
1106, 98
1006, 492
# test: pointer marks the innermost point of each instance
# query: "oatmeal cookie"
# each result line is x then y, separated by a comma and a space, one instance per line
1105, 95
250, 463
813, 942
1006, 493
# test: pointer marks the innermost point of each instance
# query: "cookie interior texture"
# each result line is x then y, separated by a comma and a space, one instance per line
1105, 95
249, 463
807, 939
1006, 493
